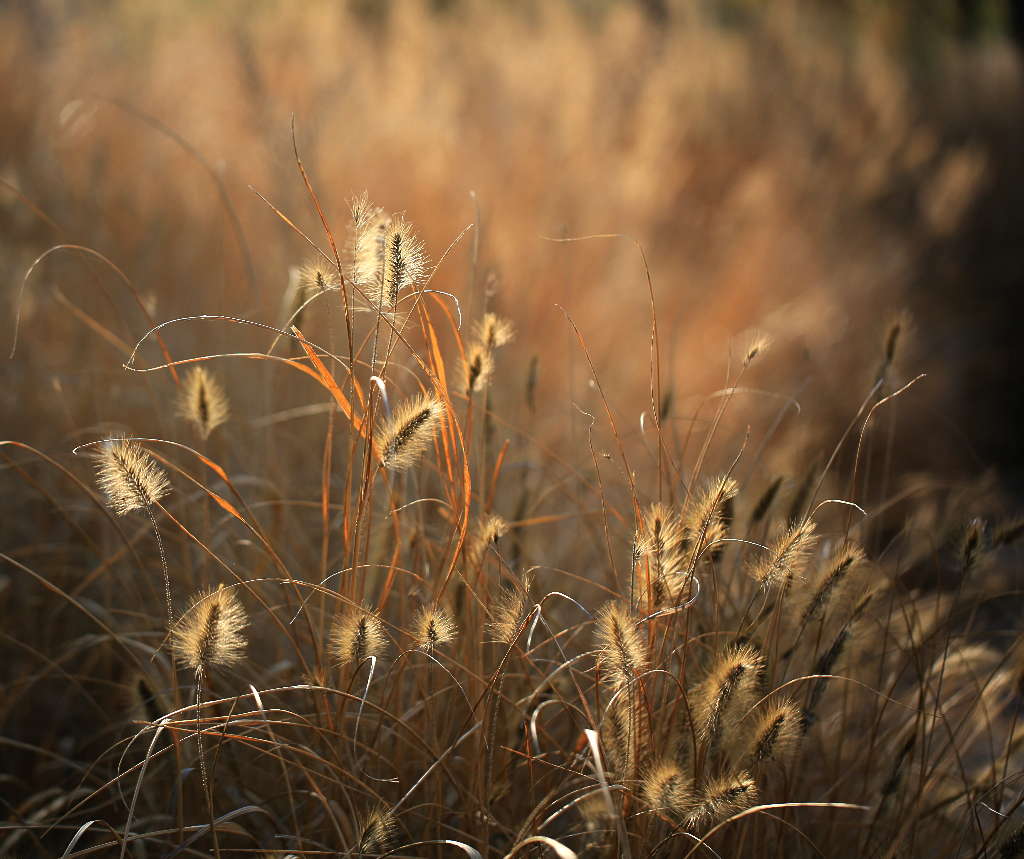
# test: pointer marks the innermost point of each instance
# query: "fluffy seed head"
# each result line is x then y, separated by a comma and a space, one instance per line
778, 732
623, 652
357, 635
478, 367
705, 517
759, 344
834, 582
487, 532
723, 797
128, 476
509, 611
209, 634
492, 331
387, 256
667, 789
377, 832
407, 433
203, 402
661, 539
315, 276
727, 692
787, 556
433, 627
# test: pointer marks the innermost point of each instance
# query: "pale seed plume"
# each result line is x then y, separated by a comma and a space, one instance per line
727, 692
777, 732
509, 611
723, 797
759, 344
378, 831
408, 432
477, 367
129, 477
487, 532
493, 332
433, 627
786, 558
835, 581
210, 632
622, 650
357, 635
203, 402
667, 789
387, 256
661, 540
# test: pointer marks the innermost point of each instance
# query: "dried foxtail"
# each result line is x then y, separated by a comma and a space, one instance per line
131, 480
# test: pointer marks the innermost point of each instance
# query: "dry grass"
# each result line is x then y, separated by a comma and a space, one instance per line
631, 583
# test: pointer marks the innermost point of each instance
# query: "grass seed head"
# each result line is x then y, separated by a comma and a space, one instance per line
834, 583
667, 789
778, 732
128, 476
661, 539
210, 633
623, 652
727, 692
723, 797
407, 433
487, 532
509, 611
433, 627
478, 367
203, 402
786, 557
357, 635
493, 332
378, 831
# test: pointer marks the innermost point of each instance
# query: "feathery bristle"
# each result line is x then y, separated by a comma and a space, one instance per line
387, 256
509, 611
838, 575
378, 831
478, 367
667, 789
407, 433
623, 653
128, 476
759, 344
203, 402
487, 532
357, 635
493, 332
209, 633
787, 556
626, 733
315, 277
370, 226
722, 798
778, 732
728, 690
433, 627
704, 518
661, 540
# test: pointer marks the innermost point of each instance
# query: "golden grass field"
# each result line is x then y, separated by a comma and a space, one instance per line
491, 429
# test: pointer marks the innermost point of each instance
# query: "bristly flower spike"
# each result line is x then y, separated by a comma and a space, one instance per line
407, 433
203, 402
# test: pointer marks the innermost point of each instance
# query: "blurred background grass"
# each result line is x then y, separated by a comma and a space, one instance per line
806, 169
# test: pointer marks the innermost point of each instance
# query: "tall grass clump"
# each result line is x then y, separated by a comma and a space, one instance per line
421, 627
